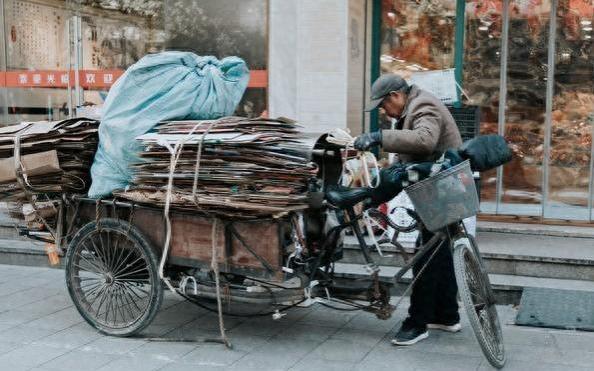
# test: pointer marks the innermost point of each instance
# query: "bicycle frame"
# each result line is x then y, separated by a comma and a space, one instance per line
353, 219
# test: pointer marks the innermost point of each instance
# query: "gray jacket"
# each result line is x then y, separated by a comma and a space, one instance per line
426, 129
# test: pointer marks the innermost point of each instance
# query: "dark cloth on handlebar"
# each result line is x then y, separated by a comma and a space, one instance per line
486, 152
395, 178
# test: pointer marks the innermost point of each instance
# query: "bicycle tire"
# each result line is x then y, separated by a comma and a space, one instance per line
121, 266
479, 306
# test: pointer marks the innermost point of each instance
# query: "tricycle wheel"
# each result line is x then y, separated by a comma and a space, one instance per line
112, 277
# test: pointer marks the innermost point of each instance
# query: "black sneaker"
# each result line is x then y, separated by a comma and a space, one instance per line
410, 334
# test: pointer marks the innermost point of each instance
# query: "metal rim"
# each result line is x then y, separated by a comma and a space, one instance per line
111, 278
485, 311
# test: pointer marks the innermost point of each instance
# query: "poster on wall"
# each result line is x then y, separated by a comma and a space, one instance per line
441, 83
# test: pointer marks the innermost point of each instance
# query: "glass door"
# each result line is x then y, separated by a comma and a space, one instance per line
569, 180
524, 107
481, 78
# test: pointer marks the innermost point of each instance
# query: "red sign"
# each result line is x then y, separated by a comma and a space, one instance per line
88, 79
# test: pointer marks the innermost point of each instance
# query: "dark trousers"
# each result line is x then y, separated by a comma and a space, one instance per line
434, 296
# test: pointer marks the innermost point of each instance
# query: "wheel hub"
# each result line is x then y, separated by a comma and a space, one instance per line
109, 279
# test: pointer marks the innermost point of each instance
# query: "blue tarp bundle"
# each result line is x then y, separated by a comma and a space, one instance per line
159, 87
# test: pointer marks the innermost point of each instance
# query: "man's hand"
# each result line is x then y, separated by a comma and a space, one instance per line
365, 141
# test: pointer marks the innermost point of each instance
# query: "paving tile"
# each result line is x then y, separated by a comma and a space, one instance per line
369, 338
158, 330
26, 296
60, 320
392, 359
134, 364
39, 309
546, 354
113, 345
277, 353
70, 338
48, 334
306, 331
454, 347
6, 347
31, 355
78, 360
171, 316
5, 326
527, 336
213, 355
514, 365
15, 366
200, 328
164, 351
573, 340
15, 317
179, 366
8, 288
23, 334
247, 342
58, 301
576, 357
369, 322
268, 328
342, 350
327, 319
446, 362
319, 364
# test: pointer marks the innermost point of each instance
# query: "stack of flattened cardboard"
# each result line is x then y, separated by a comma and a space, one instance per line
53, 157
247, 167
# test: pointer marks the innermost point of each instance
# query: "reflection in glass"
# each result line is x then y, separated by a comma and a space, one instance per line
222, 28
416, 37
573, 112
31, 49
114, 35
526, 103
482, 67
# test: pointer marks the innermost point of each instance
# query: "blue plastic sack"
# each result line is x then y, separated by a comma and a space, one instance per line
164, 86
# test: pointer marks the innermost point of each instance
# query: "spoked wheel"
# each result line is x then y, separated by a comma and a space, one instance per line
112, 277
474, 288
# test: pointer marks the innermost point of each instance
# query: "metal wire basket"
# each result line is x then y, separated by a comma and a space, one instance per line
445, 198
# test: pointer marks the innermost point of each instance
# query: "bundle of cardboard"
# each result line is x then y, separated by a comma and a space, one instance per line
51, 157
234, 167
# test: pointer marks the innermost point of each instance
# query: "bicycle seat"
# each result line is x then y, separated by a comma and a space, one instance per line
344, 197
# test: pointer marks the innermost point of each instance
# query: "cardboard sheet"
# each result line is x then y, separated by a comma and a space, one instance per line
248, 167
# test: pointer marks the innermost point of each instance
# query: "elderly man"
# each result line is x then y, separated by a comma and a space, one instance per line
425, 130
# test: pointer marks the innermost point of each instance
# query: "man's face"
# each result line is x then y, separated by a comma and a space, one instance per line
393, 104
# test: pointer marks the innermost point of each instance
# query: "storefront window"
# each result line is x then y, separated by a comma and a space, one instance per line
482, 72
34, 83
110, 42
557, 180
222, 28
526, 105
573, 112
48, 71
416, 36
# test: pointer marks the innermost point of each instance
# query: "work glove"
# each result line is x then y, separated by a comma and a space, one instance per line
365, 141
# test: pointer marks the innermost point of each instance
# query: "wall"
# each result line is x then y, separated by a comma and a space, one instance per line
356, 67
317, 52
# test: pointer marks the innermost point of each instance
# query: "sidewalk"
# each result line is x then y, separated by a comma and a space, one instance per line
41, 330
